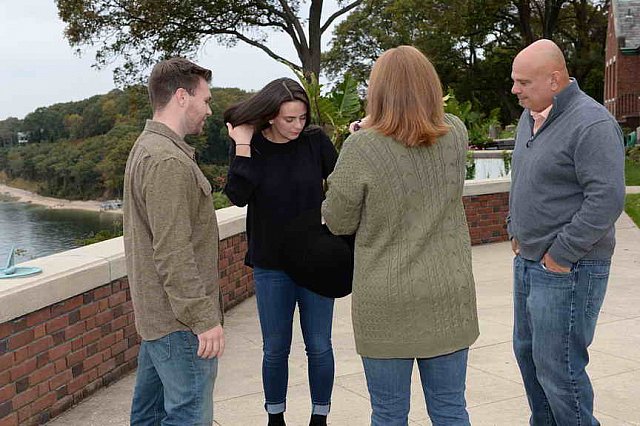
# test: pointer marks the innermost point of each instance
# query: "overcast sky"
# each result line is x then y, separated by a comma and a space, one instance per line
39, 68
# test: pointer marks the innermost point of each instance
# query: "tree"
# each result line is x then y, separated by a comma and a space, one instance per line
143, 31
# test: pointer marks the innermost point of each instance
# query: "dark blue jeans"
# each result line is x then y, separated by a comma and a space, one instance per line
555, 318
443, 383
174, 387
277, 295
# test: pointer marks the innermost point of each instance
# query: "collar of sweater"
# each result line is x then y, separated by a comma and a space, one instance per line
560, 101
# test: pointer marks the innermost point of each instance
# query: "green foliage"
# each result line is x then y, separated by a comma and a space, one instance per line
102, 235
632, 170
473, 42
335, 110
632, 207
476, 123
220, 200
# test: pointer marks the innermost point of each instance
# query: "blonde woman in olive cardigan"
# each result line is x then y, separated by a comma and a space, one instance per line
398, 186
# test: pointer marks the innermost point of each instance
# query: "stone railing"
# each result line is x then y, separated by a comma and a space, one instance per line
69, 331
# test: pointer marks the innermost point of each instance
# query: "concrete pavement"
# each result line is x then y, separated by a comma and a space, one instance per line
495, 395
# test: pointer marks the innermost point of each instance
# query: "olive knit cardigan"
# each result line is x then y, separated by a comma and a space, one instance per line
413, 289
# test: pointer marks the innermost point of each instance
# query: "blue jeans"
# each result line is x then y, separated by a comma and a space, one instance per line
174, 387
443, 383
277, 296
555, 318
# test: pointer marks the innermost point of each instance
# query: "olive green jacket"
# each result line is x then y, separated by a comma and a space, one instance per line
170, 237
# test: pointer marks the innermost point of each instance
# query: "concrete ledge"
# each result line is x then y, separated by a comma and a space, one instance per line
491, 153
486, 186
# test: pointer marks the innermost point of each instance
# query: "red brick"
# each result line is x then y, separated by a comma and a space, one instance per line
39, 316
7, 392
107, 341
6, 361
117, 299
103, 305
66, 306
59, 351
42, 359
27, 367
61, 365
18, 340
119, 323
91, 323
102, 292
118, 347
5, 329
88, 310
74, 330
76, 357
43, 388
57, 323
20, 355
106, 354
5, 377
92, 361
127, 306
61, 405
43, 403
60, 379
91, 336
42, 374
104, 317
25, 398
107, 366
10, 420
77, 384
76, 344
40, 345
131, 352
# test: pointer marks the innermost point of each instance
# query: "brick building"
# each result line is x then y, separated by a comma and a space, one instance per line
622, 62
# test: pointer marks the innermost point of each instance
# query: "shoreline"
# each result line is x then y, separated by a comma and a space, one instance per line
25, 196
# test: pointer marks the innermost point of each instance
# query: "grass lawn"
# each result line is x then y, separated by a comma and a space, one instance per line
631, 173
632, 207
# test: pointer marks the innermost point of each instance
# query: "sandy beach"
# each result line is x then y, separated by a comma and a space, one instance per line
52, 203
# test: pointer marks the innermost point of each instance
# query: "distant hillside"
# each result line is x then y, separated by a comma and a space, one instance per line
78, 150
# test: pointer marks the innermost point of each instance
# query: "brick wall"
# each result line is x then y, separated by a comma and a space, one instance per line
486, 216
53, 358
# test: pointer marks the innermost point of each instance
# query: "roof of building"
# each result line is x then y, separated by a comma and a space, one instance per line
626, 18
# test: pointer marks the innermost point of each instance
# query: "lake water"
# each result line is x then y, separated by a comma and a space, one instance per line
38, 231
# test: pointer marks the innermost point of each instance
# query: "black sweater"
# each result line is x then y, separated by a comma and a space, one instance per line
278, 182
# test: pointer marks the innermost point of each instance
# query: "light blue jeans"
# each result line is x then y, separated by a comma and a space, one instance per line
443, 383
277, 295
174, 387
555, 317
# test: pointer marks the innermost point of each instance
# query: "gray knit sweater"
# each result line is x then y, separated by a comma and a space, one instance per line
413, 288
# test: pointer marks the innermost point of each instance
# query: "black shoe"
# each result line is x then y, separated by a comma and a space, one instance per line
276, 420
318, 420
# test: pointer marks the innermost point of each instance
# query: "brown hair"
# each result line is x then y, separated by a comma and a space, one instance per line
404, 98
172, 74
265, 105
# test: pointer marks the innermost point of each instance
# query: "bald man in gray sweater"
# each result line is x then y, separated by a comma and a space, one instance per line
567, 190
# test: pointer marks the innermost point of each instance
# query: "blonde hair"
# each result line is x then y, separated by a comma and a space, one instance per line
404, 99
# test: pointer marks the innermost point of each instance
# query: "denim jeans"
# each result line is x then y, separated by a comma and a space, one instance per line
174, 387
277, 295
555, 318
443, 383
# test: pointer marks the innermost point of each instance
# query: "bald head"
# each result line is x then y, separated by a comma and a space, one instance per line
539, 73
544, 56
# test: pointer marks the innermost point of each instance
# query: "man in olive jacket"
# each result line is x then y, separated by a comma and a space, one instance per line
171, 247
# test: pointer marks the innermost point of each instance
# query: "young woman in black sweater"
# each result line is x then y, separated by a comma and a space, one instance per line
278, 167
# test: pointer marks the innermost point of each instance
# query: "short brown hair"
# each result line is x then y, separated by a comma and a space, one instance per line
404, 98
172, 74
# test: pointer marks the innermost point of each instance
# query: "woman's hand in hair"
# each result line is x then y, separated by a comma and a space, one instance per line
241, 135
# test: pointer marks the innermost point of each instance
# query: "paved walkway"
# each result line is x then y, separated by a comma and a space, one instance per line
495, 395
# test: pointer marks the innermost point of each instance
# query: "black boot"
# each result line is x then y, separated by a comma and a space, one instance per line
276, 420
318, 420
